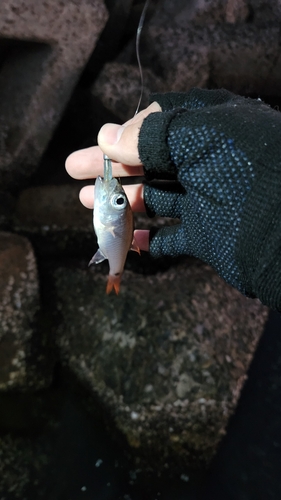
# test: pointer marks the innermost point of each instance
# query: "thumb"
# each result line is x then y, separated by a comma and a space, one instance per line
120, 142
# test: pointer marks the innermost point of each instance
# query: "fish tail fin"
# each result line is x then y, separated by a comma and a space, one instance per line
113, 283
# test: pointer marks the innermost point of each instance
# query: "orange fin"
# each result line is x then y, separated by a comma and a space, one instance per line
113, 283
135, 247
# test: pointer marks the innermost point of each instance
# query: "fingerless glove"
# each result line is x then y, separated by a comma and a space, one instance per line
224, 151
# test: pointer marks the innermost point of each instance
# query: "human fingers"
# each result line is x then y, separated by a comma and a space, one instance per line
152, 108
134, 193
164, 198
88, 164
120, 142
142, 239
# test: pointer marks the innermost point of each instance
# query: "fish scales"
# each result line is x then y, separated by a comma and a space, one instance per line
113, 216
114, 226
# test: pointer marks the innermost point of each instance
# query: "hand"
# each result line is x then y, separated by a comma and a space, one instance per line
120, 143
224, 151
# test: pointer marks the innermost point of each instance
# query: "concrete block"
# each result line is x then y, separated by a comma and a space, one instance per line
20, 359
232, 44
238, 56
167, 357
118, 86
55, 221
44, 47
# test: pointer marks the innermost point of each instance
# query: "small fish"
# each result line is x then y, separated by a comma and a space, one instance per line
114, 226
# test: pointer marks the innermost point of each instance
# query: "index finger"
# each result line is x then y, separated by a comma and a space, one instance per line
88, 164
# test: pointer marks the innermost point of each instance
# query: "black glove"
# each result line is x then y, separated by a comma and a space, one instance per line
225, 151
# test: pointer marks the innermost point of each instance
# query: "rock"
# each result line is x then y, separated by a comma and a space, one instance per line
245, 59
7, 207
44, 48
118, 86
202, 11
55, 221
111, 39
202, 44
167, 357
22, 360
215, 44
16, 458
180, 56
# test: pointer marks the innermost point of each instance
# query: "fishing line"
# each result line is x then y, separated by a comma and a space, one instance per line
116, 238
139, 30
107, 161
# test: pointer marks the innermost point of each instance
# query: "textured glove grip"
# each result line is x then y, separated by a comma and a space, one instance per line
153, 148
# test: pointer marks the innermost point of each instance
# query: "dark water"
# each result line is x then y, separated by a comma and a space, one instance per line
63, 452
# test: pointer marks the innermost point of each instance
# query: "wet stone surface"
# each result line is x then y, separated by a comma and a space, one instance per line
167, 357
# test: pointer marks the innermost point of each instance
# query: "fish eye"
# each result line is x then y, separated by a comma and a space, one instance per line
119, 201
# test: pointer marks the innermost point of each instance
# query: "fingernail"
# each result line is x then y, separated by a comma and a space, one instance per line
111, 133
154, 106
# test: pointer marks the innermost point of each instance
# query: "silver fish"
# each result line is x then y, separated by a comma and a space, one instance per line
113, 225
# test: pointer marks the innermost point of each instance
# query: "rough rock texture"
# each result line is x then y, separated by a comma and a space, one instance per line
20, 362
44, 47
15, 459
118, 87
55, 221
201, 11
167, 357
233, 44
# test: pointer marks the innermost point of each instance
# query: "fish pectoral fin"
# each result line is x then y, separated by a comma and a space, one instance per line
97, 258
112, 231
135, 247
